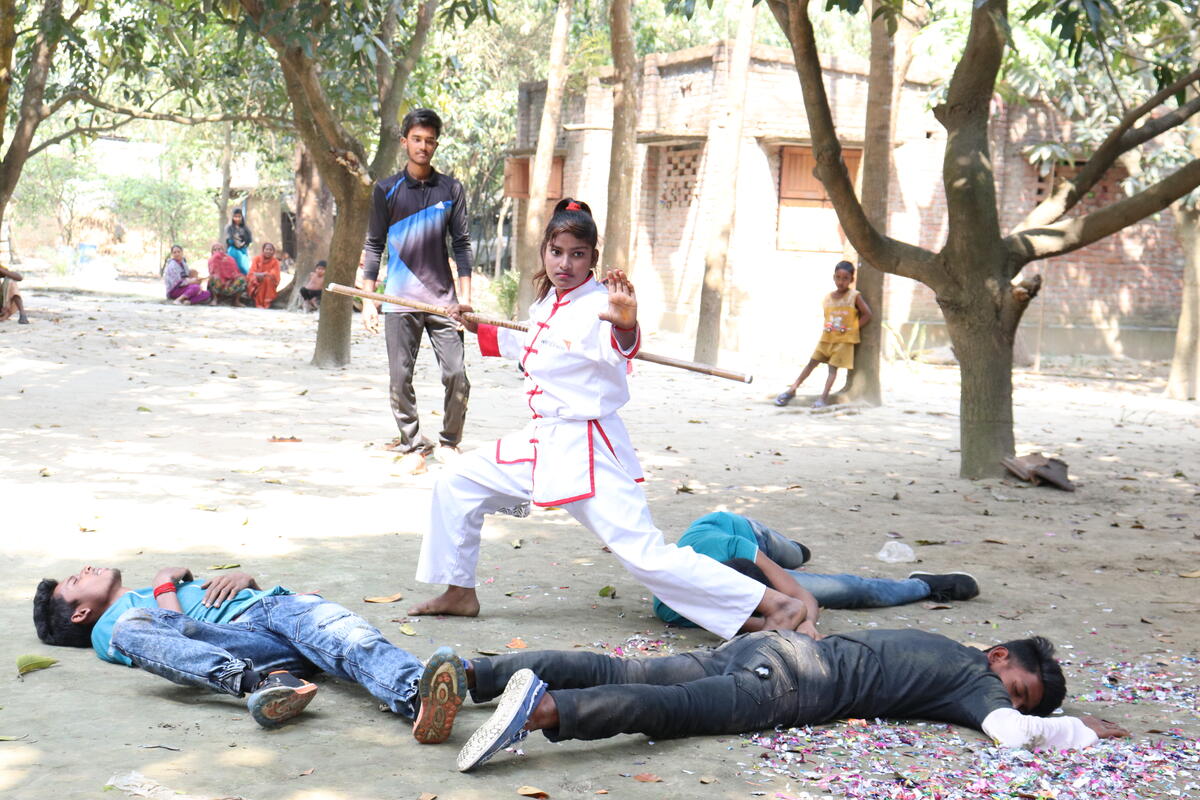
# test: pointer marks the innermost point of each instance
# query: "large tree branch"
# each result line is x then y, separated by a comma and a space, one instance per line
967, 165
162, 116
302, 78
8, 44
885, 253
1061, 237
79, 130
1120, 140
389, 105
30, 114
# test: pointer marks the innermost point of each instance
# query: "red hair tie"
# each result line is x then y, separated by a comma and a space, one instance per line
573, 206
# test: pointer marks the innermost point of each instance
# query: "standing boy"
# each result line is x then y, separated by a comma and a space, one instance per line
411, 214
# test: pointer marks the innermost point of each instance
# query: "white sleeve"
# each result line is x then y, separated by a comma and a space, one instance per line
1011, 728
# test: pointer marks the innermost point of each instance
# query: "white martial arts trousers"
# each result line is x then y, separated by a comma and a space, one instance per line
701, 589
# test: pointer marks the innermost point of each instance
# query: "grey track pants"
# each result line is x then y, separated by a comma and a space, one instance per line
402, 332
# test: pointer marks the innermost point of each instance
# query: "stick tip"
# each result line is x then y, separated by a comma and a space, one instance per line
748, 379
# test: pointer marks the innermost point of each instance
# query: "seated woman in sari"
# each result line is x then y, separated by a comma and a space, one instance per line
183, 285
264, 277
224, 280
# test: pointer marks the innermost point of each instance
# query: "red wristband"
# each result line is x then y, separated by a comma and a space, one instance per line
164, 588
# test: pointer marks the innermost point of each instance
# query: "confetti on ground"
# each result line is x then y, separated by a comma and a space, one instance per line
885, 761
1169, 681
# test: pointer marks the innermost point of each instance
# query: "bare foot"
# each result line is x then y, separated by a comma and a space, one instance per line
456, 601
780, 612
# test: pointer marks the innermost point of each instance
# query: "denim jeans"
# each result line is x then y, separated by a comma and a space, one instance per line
836, 591
753, 682
300, 633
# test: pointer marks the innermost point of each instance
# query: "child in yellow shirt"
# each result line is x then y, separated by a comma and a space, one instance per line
846, 313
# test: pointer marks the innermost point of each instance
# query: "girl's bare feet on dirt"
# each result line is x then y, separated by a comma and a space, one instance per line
456, 601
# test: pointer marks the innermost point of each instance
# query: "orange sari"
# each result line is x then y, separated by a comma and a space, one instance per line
262, 288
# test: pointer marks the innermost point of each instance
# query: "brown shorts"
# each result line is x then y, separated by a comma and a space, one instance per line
835, 354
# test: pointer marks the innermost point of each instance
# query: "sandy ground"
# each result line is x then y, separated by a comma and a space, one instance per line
135, 434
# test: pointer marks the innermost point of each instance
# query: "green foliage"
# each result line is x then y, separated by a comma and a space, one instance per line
176, 211
504, 287
53, 185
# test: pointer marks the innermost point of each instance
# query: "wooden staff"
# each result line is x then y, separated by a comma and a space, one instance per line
479, 319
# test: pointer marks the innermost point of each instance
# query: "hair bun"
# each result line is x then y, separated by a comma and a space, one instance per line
571, 204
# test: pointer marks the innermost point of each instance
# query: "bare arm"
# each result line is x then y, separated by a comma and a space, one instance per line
781, 581
175, 575
864, 311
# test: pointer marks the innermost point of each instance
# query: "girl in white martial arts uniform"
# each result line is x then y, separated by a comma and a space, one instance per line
575, 452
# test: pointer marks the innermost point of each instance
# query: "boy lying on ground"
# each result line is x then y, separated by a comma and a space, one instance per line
756, 681
766, 555
228, 635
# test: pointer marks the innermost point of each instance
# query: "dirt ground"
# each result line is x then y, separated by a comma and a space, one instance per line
135, 434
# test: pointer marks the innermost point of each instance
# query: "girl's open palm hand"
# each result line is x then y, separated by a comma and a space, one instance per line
622, 302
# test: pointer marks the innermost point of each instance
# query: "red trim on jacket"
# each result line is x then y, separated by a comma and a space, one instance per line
487, 335
499, 460
637, 343
591, 475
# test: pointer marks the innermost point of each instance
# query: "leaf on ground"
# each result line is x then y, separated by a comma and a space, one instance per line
224, 566
695, 422
275, 481
935, 606
707, 779
427, 796
647, 777
608, 591
391, 598
29, 663
516, 543
488, 652
1194, 574
928, 542
203, 507
13, 738
532, 791
600, 791
302, 392
44, 472
308, 771
144, 408
684, 489
517, 643
284, 439
408, 630
995, 541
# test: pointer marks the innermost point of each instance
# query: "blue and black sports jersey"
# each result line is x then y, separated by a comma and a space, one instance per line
411, 218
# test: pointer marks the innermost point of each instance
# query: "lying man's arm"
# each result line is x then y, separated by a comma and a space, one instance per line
781, 581
1010, 728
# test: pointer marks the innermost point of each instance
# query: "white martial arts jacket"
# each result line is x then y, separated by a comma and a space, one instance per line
575, 381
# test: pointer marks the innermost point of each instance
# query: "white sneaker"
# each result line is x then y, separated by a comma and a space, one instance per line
447, 454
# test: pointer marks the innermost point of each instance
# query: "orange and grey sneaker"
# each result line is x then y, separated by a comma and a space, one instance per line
279, 697
441, 689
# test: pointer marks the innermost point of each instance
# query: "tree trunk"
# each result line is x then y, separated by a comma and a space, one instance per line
501, 239
349, 231
543, 158
862, 383
226, 179
1184, 382
984, 354
618, 225
724, 148
314, 221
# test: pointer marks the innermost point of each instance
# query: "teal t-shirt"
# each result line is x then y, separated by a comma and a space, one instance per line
720, 535
190, 596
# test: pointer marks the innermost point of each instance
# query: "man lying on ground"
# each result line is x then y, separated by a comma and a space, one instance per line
756, 681
753, 549
229, 636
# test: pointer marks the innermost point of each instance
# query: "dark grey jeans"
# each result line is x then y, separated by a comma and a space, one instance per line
752, 682
403, 331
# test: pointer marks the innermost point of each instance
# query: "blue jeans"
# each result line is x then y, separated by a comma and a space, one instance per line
836, 591
300, 633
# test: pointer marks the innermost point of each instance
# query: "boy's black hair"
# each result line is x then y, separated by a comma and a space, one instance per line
52, 618
321, 263
1036, 655
423, 117
844, 266
747, 568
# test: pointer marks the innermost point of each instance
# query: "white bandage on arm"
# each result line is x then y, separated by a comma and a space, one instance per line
1011, 728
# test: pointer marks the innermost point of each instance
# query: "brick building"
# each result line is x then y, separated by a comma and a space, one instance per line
1119, 296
